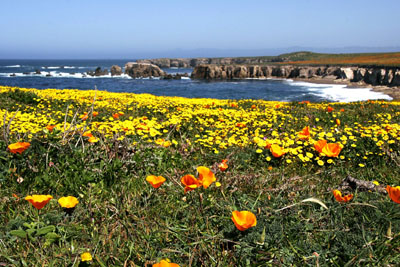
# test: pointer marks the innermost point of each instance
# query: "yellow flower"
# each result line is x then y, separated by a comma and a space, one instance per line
361, 165
68, 202
86, 256
320, 163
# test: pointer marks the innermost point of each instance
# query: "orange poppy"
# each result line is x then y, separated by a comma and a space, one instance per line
84, 116
50, 127
155, 181
342, 110
206, 176
95, 113
305, 133
329, 109
223, 166
87, 134
164, 263
332, 149
277, 151
243, 219
18, 147
319, 145
93, 139
338, 196
190, 182
39, 201
337, 122
394, 193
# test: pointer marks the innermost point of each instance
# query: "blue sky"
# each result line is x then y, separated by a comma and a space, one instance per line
151, 28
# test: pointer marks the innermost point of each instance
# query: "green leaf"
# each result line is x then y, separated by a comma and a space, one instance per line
45, 230
19, 233
52, 237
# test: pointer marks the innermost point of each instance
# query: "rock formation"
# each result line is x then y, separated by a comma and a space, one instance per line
115, 70
98, 72
143, 70
373, 76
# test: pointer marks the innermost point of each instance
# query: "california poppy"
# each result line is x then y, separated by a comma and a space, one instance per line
394, 193
155, 181
165, 263
243, 219
84, 116
50, 127
305, 133
190, 182
206, 176
87, 134
223, 166
18, 147
329, 109
95, 113
115, 115
68, 202
338, 196
93, 139
337, 122
319, 145
277, 151
331, 149
39, 201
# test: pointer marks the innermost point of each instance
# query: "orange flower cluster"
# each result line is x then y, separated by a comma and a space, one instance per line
338, 196
18, 147
206, 178
329, 149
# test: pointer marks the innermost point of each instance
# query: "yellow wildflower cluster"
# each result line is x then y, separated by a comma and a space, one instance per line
207, 123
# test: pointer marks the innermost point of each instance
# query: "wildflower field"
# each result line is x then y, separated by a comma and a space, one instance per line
116, 179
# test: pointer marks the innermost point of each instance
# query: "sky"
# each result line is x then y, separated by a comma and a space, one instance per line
86, 29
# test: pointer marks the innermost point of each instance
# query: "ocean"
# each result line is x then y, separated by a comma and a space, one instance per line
71, 74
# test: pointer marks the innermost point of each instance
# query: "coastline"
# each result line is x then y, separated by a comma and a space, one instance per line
393, 92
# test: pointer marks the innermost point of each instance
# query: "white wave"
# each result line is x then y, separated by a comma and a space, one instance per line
69, 67
55, 74
13, 66
185, 78
341, 93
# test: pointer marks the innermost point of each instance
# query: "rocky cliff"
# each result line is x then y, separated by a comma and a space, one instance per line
372, 76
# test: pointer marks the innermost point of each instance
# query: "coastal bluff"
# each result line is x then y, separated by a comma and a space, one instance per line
375, 76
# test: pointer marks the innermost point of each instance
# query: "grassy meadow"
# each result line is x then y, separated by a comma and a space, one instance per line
282, 162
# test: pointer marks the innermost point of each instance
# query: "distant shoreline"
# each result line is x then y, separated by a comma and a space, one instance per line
393, 92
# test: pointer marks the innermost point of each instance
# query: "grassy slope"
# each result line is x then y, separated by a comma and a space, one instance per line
122, 220
311, 58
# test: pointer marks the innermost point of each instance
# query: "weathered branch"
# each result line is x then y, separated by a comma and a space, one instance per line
351, 183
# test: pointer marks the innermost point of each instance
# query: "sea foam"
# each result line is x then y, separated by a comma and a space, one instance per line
340, 92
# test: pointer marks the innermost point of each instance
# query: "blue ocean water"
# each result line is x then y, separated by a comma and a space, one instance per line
71, 74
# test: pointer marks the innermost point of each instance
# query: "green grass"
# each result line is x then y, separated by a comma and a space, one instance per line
123, 221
